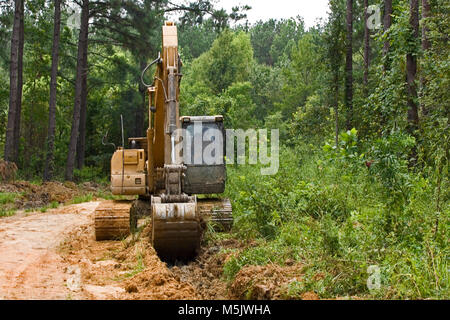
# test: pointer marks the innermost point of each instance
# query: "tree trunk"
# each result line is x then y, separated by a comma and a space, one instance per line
426, 44
366, 49
426, 11
336, 106
81, 145
49, 163
140, 109
19, 84
411, 69
13, 83
387, 21
82, 44
349, 66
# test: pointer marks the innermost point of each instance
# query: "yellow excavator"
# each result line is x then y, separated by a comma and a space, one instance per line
157, 172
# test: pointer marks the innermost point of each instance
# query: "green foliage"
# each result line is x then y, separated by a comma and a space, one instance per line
7, 197
390, 164
52, 205
7, 200
6, 212
228, 61
301, 75
347, 148
195, 39
312, 121
90, 173
336, 224
82, 198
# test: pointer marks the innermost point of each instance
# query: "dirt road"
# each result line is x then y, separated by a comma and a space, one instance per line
30, 267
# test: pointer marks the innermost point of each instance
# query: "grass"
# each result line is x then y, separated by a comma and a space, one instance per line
82, 198
7, 197
7, 212
52, 205
138, 268
7, 200
107, 195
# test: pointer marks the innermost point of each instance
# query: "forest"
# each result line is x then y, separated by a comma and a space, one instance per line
361, 101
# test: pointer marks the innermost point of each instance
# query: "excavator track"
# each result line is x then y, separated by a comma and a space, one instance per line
112, 220
217, 211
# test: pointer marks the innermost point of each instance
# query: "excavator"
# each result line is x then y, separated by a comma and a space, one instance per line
178, 195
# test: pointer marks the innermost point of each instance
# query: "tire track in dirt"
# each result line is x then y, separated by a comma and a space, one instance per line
30, 267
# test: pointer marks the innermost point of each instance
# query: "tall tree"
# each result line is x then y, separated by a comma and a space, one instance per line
19, 83
411, 67
387, 22
366, 48
15, 89
49, 163
426, 11
82, 45
140, 108
349, 65
81, 143
426, 44
335, 38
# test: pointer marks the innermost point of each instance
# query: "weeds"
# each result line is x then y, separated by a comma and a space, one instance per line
140, 266
82, 198
6, 197
7, 212
339, 217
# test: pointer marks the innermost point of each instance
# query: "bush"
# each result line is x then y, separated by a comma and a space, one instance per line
89, 174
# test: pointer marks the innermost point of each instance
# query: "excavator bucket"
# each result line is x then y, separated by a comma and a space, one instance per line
176, 230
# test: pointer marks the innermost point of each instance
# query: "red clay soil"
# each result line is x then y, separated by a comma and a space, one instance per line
128, 269
268, 282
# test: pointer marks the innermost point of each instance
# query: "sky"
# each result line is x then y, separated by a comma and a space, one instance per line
310, 10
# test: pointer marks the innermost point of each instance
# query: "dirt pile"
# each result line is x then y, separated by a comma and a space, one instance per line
270, 282
37, 196
128, 269
34, 196
8, 170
